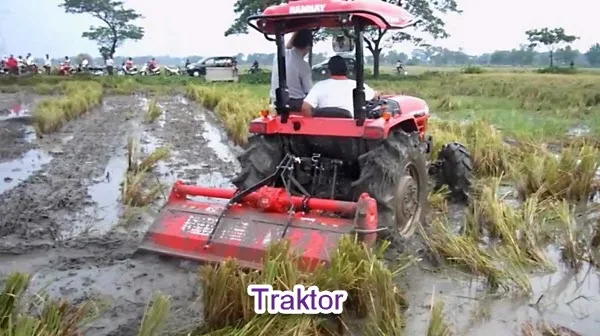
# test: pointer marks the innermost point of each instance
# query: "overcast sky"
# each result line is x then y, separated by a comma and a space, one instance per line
195, 27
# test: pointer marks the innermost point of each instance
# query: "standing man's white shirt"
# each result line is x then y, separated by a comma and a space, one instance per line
298, 75
47, 62
85, 62
110, 62
335, 93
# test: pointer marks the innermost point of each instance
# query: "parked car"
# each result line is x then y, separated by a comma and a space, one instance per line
199, 68
320, 71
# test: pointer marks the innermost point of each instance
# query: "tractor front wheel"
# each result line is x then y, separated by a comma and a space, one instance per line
395, 175
454, 168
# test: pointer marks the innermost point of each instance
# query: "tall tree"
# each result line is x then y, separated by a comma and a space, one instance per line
593, 55
376, 40
551, 38
116, 20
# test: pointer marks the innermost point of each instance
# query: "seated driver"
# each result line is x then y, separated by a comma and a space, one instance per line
335, 92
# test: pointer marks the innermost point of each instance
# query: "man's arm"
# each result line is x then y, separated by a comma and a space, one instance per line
370, 94
274, 79
310, 101
289, 43
306, 109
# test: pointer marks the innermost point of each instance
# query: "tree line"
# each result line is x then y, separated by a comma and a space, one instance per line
432, 56
116, 25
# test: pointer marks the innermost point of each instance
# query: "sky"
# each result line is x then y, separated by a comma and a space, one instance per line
190, 27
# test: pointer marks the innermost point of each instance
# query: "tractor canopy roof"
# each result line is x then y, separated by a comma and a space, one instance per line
315, 14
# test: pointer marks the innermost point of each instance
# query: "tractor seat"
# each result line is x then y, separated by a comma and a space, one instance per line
331, 112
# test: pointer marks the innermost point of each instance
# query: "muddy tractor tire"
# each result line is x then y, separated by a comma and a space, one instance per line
395, 175
454, 168
260, 160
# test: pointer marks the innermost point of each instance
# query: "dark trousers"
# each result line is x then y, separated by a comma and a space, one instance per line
47, 68
109, 69
295, 103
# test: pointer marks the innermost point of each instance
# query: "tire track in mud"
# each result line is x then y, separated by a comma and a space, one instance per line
198, 155
48, 205
14, 125
98, 265
200, 151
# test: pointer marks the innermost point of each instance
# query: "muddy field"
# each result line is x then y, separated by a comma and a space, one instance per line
63, 222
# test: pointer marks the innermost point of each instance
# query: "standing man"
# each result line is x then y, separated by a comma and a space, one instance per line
298, 72
47, 64
110, 64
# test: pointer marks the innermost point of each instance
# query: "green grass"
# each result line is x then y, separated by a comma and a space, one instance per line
522, 105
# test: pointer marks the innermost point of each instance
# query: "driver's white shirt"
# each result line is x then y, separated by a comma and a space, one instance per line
84, 63
335, 93
29, 60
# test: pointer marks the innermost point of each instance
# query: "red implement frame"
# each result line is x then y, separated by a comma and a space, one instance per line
413, 116
186, 228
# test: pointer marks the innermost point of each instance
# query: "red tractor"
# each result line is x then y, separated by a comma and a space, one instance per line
313, 179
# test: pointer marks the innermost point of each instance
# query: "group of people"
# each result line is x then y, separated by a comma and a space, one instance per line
18, 65
128, 65
304, 97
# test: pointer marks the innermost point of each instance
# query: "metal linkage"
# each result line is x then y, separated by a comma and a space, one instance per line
286, 165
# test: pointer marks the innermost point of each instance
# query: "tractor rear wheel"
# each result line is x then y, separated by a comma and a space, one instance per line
260, 160
395, 175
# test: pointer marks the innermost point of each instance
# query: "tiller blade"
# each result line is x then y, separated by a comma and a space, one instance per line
243, 229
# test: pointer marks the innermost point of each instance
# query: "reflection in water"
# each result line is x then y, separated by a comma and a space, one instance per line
16, 171
106, 194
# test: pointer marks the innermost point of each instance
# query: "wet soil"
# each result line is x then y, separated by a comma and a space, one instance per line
62, 222
61, 214
16, 132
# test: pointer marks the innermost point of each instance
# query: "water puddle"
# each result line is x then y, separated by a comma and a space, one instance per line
106, 193
214, 179
29, 134
565, 298
579, 131
151, 143
17, 111
217, 141
16, 171
509, 195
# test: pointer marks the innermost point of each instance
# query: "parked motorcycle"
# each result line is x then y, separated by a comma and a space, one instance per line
173, 71
146, 71
29, 69
66, 70
96, 71
129, 72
